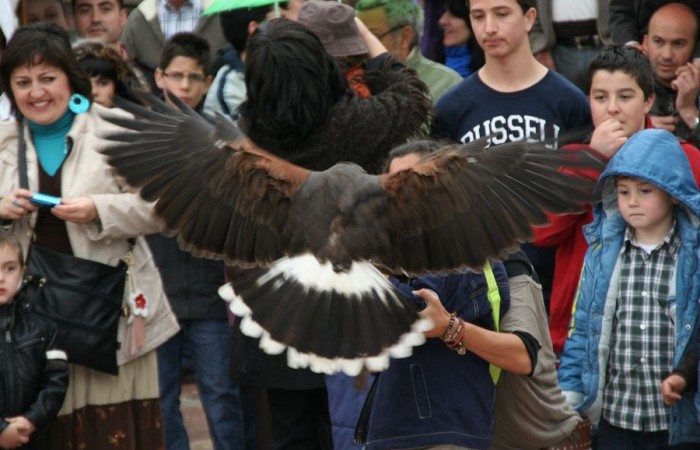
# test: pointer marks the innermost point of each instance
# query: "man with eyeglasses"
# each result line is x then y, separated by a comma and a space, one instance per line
398, 24
184, 69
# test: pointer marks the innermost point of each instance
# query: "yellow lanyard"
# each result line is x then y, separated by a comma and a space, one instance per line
494, 297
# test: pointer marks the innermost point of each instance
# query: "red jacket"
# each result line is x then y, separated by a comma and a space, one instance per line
565, 232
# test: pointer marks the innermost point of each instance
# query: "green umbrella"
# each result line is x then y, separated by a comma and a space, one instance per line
227, 5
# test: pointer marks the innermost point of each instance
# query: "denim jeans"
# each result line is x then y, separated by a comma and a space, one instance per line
208, 342
611, 437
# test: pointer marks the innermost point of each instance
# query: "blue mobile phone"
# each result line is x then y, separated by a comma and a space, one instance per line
45, 201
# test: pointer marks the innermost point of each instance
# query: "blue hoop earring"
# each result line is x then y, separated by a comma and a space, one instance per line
78, 104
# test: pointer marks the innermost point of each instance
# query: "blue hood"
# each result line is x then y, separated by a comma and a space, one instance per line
655, 156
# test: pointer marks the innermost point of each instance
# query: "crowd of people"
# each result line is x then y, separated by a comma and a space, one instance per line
586, 337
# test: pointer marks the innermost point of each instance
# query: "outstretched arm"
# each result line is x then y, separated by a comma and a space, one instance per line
505, 350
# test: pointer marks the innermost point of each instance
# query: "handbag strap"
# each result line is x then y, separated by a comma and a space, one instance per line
22, 157
362, 425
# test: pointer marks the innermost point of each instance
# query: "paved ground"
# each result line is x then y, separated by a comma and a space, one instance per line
194, 417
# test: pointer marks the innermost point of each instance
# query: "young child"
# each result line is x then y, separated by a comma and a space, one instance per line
621, 93
110, 74
637, 303
184, 69
34, 373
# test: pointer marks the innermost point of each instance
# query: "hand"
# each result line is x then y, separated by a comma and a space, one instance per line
665, 122
16, 205
23, 424
375, 47
687, 84
77, 210
435, 312
608, 137
17, 433
672, 388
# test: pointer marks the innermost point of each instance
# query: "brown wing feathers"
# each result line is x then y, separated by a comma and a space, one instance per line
466, 204
221, 199
457, 208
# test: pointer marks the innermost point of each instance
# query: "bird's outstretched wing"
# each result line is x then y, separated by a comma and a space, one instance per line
312, 234
465, 203
222, 196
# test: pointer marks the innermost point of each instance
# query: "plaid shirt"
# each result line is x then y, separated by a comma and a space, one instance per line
173, 21
642, 340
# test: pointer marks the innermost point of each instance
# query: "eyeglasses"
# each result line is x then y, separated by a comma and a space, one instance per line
178, 77
397, 27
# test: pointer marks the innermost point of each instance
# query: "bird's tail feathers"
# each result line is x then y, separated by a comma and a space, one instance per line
329, 321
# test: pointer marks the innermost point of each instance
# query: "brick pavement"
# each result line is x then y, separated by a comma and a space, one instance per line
193, 416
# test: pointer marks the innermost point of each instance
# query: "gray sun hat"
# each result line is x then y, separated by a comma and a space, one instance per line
334, 24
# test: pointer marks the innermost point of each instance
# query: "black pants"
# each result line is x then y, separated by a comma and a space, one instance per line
299, 419
611, 437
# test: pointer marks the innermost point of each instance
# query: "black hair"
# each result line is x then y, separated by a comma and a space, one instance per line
189, 45
421, 147
120, 4
292, 83
623, 58
98, 67
460, 9
234, 24
525, 5
42, 43
100, 60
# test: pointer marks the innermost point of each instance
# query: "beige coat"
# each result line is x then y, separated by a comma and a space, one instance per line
122, 214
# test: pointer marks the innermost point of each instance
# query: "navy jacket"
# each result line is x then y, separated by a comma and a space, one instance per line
436, 396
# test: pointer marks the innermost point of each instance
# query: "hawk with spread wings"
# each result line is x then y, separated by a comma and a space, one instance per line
313, 241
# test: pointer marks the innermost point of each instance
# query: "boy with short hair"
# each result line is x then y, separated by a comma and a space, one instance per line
184, 69
512, 97
637, 303
34, 373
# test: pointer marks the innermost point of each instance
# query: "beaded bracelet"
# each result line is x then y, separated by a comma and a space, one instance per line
456, 343
452, 337
455, 333
450, 326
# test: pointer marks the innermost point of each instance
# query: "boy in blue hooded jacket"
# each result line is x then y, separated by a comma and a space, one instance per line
638, 298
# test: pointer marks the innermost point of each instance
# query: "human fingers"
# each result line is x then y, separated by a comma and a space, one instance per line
78, 210
16, 204
434, 311
665, 122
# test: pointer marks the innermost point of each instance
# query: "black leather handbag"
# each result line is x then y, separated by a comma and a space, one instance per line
84, 299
